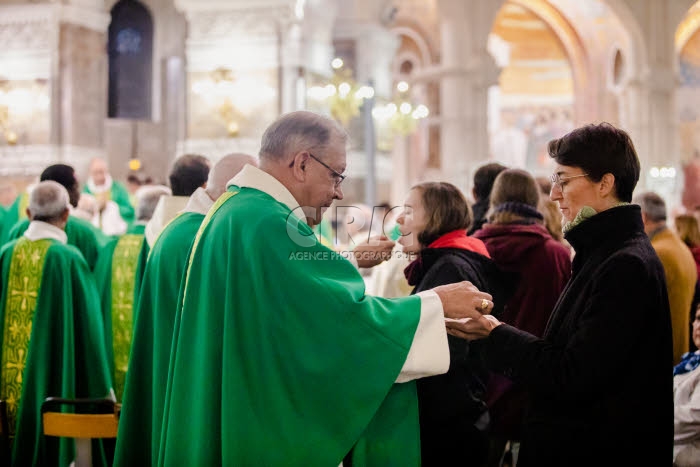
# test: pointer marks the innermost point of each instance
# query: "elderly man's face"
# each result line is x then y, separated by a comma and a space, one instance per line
98, 172
324, 183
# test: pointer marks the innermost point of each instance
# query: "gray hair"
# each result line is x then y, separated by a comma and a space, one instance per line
48, 201
224, 170
298, 131
147, 199
653, 206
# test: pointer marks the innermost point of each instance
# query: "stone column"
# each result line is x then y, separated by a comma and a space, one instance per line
63, 46
466, 72
648, 107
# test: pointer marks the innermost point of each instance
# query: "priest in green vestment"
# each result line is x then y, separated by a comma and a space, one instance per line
118, 277
189, 172
80, 233
115, 211
14, 213
279, 357
52, 342
142, 406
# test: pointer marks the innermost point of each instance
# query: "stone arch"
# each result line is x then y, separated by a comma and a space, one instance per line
635, 55
575, 50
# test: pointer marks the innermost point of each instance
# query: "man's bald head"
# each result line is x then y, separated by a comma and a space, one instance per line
299, 131
224, 170
48, 202
98, 171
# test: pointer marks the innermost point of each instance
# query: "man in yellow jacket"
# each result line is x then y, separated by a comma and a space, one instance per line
679, 268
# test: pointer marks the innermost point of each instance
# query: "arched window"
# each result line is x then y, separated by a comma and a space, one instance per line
130, 50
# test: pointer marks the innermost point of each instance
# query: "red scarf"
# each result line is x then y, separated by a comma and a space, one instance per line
456, 239
459, 239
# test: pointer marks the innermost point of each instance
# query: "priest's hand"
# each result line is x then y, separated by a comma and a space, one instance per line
372, 252
471, 329
464, 300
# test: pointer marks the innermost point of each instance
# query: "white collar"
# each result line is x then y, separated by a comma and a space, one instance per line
39, 230
253, 177
199, 202
102, 188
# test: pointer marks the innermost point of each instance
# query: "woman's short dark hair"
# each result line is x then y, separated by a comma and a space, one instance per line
446, 208
599, 149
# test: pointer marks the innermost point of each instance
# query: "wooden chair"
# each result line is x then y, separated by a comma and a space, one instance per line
99, 419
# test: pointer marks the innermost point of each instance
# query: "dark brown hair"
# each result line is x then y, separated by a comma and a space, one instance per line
446, 209
598, 150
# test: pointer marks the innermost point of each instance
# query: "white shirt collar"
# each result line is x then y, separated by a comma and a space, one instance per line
39, 230
102, 188
199, 202
253, 177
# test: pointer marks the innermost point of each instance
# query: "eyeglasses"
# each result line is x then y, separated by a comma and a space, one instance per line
561, 181
337, 176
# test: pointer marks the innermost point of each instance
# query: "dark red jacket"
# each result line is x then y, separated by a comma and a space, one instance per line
542, 267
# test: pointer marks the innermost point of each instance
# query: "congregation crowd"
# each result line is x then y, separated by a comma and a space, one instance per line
546, 322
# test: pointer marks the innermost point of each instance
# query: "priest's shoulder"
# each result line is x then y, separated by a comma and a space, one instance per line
64, 253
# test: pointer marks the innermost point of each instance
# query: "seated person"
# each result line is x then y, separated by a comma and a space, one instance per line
686, 398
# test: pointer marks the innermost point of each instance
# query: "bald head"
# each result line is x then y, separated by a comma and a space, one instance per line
48, 202
98, 171
299, 131
224, 170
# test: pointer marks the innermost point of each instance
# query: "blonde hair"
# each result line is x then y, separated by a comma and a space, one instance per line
688, 230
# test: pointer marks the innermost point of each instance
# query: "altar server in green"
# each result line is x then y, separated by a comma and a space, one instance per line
80, 232
118, 276
115, 211
279, 356
52, 342
144, 395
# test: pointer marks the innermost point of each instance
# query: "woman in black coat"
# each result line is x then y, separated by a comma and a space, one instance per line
600, 379
453, 414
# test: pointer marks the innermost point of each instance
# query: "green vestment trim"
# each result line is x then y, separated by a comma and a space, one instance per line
124, 265
24, 282
154, 319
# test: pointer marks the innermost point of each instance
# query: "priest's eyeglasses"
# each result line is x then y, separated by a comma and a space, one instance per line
338, 177
560, 181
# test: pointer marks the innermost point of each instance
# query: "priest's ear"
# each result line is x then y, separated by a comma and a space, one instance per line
298, 165
64, 216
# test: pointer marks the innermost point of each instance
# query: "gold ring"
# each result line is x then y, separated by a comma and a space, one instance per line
484, 304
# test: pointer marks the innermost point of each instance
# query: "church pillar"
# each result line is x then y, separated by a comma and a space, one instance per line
374, 51
54, 60
466, 72
246, 64
648, 107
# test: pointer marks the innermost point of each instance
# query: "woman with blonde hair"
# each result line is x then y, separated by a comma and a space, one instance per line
689, 232
520, 244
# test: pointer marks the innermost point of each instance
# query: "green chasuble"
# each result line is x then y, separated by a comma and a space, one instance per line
279, 356
15, 212
120, 195
52, 342
117, 273
142, 406
80, 232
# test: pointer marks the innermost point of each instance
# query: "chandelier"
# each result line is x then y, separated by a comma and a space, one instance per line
343, 95
401, 114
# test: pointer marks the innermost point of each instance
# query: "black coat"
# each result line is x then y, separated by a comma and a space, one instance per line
450, 405
601, 378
